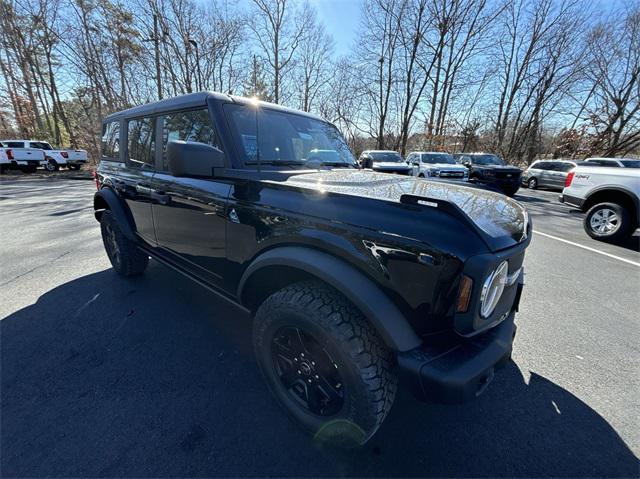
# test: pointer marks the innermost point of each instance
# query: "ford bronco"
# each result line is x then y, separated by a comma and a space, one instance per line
356, 281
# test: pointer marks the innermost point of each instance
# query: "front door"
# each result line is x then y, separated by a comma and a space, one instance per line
190, 213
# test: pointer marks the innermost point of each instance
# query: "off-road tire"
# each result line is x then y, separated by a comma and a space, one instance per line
367, 367
623, 230
125, 257
532, 183
73, 167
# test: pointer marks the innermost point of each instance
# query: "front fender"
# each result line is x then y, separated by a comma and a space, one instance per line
385, 316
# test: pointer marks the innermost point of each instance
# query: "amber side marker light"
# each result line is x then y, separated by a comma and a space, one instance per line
464, 294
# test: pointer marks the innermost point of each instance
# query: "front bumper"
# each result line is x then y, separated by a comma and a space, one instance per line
460, 372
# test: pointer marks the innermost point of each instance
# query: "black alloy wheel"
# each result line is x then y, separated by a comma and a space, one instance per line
307, 371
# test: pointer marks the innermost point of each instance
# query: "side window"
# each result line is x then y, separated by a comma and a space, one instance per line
194, 125
141, 143
111, 141
566, 167
14, 144
610, 163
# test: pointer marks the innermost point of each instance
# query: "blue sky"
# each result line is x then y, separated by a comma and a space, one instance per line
341, 19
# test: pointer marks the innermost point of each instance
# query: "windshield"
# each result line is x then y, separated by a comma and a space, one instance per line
41, 145
386, 156
281, 138
631, 163
486, 160
434, 158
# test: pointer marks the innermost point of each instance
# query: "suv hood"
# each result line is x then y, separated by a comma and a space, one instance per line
444, 166
501, 221
498, 167
390, 165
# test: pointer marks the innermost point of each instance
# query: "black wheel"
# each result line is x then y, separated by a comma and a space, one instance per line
532, 183
3, 169
607, 221
125, 257
324, 363
51, 165
28, 169
73, 167
421, 175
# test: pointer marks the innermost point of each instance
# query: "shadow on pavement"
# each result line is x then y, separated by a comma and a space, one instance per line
155, 377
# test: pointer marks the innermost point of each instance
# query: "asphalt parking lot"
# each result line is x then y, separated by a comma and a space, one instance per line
102, 376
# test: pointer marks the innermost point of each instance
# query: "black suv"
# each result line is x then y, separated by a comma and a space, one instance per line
490, 169
353, 278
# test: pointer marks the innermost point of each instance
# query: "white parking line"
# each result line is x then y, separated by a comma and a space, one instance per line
588, 248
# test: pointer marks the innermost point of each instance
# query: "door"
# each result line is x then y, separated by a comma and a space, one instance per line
556, 175
543, 173
134, 183
190, 213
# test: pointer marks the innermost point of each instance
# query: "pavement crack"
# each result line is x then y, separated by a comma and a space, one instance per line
35, 268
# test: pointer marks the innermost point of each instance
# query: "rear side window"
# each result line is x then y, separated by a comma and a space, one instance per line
141, 143
193, 125
14, 144
565, 167
111, 141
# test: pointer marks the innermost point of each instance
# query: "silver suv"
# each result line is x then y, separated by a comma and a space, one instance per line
548, 173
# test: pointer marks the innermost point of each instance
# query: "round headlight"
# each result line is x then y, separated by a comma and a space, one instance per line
492, 289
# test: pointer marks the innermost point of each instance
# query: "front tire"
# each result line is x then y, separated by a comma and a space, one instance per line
532, 183
324, 363
607, 222
125, 257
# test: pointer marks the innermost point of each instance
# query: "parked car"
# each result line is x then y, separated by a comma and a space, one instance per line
609, 195
490, 169
615, 162
548, 173
429, 164
352, 277
72, 159
26, 160
385, 161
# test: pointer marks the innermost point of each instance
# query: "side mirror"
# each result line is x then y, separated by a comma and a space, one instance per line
189, 158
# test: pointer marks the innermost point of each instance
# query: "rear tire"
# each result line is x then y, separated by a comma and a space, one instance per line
51, 165
532, 183
123, 253
338, 381
73, 167
607, 222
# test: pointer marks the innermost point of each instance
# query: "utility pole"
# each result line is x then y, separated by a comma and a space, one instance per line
156, 43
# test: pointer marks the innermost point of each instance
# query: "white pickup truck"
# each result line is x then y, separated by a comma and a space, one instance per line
72, 159
24, 159
610, 197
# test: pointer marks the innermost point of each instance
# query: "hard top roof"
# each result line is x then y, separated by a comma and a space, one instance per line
193, 100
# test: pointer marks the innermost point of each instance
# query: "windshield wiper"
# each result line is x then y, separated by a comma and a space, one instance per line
277, 163
337, 164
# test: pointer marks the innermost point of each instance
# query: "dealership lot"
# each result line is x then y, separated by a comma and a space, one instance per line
102, 376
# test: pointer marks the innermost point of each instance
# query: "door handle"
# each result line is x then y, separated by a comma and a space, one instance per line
161, 197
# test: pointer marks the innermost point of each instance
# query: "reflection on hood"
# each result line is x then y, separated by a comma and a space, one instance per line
495, 214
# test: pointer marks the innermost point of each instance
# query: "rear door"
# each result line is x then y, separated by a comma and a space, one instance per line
556, 175
134, 181
190, 213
